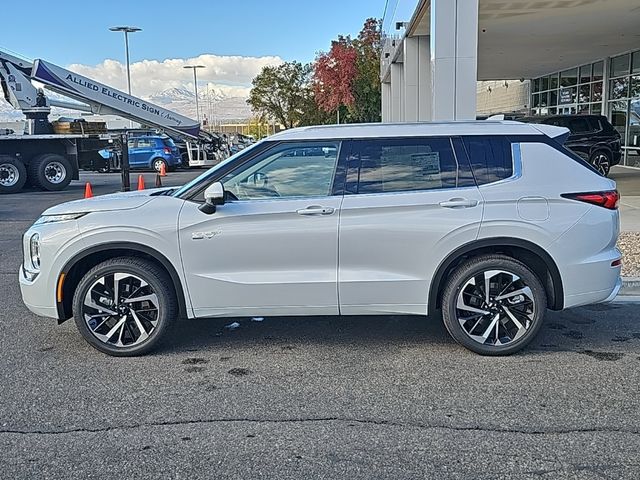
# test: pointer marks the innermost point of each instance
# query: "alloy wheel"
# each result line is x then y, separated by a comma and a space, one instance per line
601, 164
495, 307
121, 309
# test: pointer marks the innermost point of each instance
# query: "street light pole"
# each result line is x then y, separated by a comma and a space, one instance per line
126, 30
195, 84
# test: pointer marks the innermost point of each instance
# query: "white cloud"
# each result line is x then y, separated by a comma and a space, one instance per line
231, 75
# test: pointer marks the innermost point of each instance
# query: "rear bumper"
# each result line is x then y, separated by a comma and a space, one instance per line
614, 292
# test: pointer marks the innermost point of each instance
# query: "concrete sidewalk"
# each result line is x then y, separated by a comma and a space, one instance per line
630, 213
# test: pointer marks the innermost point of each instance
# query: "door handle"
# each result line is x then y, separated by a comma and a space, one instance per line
315, 210
458, 203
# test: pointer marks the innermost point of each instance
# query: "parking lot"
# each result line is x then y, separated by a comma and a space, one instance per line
321, 397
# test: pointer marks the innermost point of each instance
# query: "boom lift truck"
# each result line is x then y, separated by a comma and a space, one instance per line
50, 160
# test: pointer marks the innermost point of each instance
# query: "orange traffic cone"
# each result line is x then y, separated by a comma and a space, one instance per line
140, 182
163, 170
88, 193
158, 181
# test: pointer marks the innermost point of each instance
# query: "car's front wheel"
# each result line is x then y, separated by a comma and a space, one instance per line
124, 306
493, 305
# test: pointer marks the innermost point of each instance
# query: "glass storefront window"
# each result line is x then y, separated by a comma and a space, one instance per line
598, 68
585, 74
536, 85
543, 99
620, 65
635, 63
585, 93
583, 108
619, 88
596, 92
553, 81
568, 78
544, 84
596, 108
535, 101
553, 98
635, 86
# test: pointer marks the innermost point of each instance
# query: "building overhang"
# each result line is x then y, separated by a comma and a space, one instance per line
530, 38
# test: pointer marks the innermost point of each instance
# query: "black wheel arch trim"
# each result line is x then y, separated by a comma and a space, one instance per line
64, 315
450, 260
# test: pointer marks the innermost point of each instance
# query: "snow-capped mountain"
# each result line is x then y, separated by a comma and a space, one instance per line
180, 100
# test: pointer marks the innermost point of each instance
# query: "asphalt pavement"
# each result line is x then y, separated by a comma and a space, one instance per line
319, 397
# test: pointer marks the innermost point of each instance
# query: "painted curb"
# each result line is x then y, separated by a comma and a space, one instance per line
630, 286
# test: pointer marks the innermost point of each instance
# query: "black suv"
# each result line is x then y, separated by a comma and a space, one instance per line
592, 137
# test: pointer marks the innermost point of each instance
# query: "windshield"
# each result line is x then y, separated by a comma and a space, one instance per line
213, 170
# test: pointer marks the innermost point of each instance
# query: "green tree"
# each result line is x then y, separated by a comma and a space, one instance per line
283, 93
367, 94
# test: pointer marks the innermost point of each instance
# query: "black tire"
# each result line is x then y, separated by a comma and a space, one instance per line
601, 161
13, 174
159, 283
50, 171
155, 164
477, 322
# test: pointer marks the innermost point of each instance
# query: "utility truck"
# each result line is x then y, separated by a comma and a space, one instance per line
49, 159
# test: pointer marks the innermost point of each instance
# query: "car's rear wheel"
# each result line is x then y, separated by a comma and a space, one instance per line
124, 306
157, 164
601, 161
13, 174
493, 305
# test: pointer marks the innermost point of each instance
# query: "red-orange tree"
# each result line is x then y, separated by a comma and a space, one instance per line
347, 78
334, 73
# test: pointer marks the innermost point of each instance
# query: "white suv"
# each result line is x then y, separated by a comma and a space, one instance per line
491, 222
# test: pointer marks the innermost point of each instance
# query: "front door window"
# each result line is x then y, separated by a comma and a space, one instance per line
286, 171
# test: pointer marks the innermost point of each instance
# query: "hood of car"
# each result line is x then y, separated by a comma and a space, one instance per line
104, 203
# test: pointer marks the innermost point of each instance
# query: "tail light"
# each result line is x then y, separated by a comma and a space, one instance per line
167, 150
608, 199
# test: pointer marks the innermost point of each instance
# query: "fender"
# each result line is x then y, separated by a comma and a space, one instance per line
444, 266
65, 313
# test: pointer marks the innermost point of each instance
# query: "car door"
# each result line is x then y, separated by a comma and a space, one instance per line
408, 203
144, 150
134, 157
272, 248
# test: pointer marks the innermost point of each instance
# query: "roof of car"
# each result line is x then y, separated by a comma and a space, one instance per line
386, 130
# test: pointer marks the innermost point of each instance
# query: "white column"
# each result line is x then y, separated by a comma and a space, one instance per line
396, 92
424, 79
454, 53
386, 102
411, 78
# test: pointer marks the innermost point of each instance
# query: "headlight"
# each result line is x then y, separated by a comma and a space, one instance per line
34, 251
58, 218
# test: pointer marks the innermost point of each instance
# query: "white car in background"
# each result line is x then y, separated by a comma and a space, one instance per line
491, 222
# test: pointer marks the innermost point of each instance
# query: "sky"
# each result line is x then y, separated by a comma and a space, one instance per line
234, 39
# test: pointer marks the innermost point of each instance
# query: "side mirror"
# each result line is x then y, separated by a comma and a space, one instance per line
213, 196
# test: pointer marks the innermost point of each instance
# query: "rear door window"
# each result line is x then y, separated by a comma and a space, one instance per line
579, 125
401, 165
490, 156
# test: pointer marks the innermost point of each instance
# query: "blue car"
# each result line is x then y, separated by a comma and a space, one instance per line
151, 152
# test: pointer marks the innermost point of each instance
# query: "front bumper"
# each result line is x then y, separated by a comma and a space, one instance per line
34, 295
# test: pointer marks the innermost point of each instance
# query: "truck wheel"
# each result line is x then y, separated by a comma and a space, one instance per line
50, 171
13, 174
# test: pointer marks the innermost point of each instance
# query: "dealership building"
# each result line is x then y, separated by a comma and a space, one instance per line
447, 60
